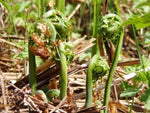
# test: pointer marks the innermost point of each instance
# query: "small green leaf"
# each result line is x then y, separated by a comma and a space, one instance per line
84, 56
146, 40
129, 93
23, 4
146, 98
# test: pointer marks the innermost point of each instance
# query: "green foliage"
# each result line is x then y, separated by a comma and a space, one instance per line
143, 5
62, 26
69, 9
52, 94
110, 26
142, 76
24, 53
84, 56
20, 6
18, 14
8, 7
44, 88
129, 93
146, 40
125, 85
146, 98
139, 21
136, 68
66, 48
100, 68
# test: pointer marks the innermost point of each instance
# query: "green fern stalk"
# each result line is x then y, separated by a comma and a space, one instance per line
60, 5
98, 67
63, 73
117, 7
41, 8
32, 61
89, 84
112, 70
110, 29
95, 27
110, 5
32, 69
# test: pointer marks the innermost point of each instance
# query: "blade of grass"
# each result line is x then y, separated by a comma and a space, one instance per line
10, 15
140, 56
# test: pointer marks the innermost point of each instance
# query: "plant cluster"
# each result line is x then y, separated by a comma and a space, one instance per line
49, 31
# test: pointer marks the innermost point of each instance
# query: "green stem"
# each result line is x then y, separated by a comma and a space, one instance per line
81, 15
138, 48
63, 73
110, 6
140, 56
112, 70
32, 69
41, 8
117, 7
95, 27
131, 106
89, 84
60, 5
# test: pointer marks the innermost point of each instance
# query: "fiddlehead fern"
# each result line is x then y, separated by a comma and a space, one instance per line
51, 35
110, 28
43, 35
62, 49
98, 67
62, 26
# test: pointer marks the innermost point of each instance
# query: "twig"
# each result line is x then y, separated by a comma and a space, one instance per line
59, 105
127, 63
73, 13
12, 37
76, 42
3, 90
10, 43
4, 64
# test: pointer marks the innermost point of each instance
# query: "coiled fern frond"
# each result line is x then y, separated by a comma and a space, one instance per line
110, 26
62, 25
42, 35
99, 67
